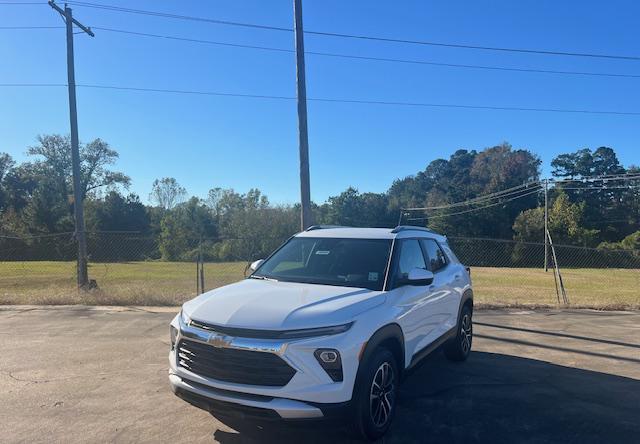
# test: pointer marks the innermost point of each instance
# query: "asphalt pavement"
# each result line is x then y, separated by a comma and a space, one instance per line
99, 374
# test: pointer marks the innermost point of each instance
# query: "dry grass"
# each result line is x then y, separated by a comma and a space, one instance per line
127, 283
586, 287
171, 283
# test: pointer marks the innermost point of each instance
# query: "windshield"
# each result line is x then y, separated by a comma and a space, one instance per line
329, 261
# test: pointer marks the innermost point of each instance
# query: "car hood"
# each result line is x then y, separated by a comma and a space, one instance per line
270, 305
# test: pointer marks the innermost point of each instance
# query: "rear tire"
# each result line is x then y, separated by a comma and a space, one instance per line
458, 348
376, 394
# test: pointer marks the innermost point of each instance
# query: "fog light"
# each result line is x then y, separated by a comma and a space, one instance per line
329, 360
328, 356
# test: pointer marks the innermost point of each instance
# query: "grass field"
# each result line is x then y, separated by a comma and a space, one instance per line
171, 283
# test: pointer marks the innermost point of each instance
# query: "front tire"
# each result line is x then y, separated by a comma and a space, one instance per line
376, 395
458, 348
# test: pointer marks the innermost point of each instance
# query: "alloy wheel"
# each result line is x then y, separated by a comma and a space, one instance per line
382, 395
466, 333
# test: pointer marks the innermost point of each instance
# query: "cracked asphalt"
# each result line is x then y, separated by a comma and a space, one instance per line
92, 374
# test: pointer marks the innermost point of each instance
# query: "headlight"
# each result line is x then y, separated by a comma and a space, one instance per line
311, 332
184, 318
174, 336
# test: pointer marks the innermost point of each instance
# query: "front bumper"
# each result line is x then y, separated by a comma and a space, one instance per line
239, 405
310, 394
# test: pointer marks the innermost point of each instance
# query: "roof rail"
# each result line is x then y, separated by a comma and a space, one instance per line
323, 227
400, 228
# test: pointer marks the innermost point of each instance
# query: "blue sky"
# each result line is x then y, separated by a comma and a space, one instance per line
239, 143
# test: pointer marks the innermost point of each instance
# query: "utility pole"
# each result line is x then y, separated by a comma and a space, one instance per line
78, 207
546, 225
303, 137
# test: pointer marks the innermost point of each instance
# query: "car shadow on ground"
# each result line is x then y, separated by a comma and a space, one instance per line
490, 398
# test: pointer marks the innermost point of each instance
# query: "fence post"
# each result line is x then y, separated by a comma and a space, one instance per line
197, 276
201, 267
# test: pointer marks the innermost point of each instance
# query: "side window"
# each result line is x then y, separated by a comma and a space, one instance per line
410, 257
437, 258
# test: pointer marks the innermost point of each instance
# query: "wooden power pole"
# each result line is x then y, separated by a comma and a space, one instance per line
303, 137
78, 207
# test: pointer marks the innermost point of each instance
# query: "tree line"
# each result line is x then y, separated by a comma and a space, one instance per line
36, 199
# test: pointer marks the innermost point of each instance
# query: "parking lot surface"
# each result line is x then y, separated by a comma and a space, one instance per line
92, 374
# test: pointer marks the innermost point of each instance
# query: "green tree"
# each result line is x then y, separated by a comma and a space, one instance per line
352, 208
6, 165
610, 208
249, 226
54, 160
115, 212
183, 227
586, 163
473, 174
565, 224
39, 192
630, 242
166, 193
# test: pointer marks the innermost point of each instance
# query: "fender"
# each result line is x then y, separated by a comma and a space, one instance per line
390, 332
466, 296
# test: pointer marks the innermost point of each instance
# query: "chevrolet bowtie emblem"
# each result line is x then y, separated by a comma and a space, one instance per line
219, 340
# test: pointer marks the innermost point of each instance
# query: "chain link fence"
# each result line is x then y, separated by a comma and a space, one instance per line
130, 269
507, 272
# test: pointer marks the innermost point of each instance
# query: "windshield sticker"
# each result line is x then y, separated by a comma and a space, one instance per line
373, 276
322, 252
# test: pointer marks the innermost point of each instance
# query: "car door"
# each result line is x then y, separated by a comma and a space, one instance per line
417, 305
446, 278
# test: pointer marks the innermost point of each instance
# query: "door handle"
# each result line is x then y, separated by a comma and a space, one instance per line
457, 277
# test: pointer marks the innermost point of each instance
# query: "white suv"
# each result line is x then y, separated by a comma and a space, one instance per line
327, 325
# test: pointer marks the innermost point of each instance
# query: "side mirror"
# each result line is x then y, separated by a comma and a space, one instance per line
254, 265
418, 276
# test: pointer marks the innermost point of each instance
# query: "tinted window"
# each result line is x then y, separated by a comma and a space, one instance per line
437, 259
330, 261
410, 257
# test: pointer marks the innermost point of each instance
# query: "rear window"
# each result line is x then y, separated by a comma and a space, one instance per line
436, 257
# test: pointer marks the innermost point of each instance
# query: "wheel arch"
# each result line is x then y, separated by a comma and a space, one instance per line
467, 299
389, 336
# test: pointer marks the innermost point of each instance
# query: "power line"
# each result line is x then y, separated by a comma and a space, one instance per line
176, 16
480, 200
30, 27
472, 66
537, 184
192, 40
35, 85
334, 34
485, 107
484, 48
603, 177
368, 58
350, 36
348, 56
486, 206
332, 100
617, 187
486, 197
181, 91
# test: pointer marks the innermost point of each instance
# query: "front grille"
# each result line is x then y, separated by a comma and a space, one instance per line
233, 365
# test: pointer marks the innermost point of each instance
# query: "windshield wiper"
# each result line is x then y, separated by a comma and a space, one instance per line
263, 278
